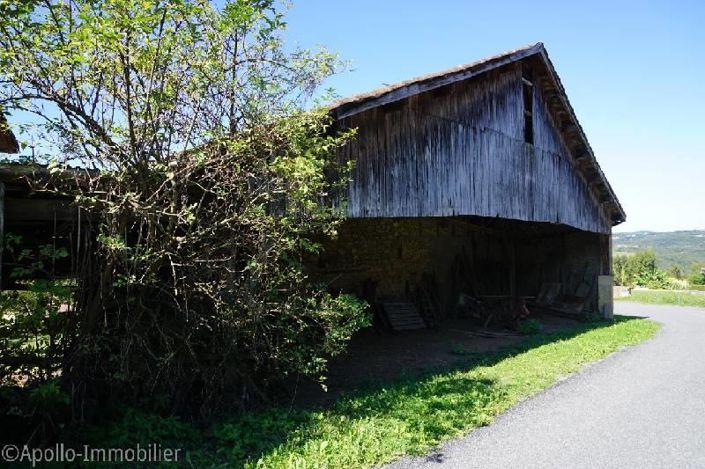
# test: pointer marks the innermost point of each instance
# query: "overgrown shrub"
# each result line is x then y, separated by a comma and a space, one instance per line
34, 322
35, 334
639, 269
529, 326
205, 181
676, 284
697, 276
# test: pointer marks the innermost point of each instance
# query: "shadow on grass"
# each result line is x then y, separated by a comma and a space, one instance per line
407, 416
370, 426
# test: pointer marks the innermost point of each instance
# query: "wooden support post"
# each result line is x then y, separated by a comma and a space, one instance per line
606, 254
605, 300
511, 247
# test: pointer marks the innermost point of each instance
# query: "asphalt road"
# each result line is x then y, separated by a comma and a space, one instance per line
642, 407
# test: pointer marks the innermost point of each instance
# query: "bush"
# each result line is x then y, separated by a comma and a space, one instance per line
214, 177
654, 279
697, 278
639, 269
676, 284
529, 326
34, 322
675, 272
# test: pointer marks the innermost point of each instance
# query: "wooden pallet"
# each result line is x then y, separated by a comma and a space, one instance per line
403, 316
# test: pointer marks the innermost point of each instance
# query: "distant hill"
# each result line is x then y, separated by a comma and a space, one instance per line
681, 248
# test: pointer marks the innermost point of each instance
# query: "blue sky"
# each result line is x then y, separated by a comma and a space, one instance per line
634, 72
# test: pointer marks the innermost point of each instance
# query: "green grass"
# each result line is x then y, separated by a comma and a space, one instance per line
408, 417
663, 297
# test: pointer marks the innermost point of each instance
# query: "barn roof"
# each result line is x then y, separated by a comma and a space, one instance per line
544, 74
8, 142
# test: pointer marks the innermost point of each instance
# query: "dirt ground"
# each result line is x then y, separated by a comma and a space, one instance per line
377, 356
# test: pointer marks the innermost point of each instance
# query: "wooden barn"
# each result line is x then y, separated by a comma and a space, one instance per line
473, 188
475, 191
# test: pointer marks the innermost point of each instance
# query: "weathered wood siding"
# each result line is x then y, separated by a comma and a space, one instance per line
460, 150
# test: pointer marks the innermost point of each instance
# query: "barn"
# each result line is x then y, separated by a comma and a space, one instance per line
475, 191
474, 188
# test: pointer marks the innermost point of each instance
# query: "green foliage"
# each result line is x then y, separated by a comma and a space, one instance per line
35, 333
655, 279
137, 426
214, 181
697, 279
34, 330
697, 274
677, 284
410, 416
674, 272
639, 269
529, 326
619, 269
48, 395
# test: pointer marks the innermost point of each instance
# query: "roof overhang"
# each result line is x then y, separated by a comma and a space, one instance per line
557, 99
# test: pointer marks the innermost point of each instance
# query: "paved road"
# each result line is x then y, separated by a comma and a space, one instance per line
640, 408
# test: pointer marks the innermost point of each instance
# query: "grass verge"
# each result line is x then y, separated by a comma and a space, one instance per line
383, 424
665, 297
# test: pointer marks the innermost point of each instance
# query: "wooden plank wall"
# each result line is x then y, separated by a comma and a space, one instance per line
460, 150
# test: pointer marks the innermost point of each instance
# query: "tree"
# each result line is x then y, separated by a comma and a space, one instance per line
639, 269
206, 182
675, 272
697, 274
619, 267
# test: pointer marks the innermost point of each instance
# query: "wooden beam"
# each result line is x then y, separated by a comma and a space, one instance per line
569, 127
36, 209
511, 245
582, 156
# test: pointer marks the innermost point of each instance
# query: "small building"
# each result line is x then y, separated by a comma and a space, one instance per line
476, 182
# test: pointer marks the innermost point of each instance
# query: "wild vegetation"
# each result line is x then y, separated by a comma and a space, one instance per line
377, 426
641, 269
204, 178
